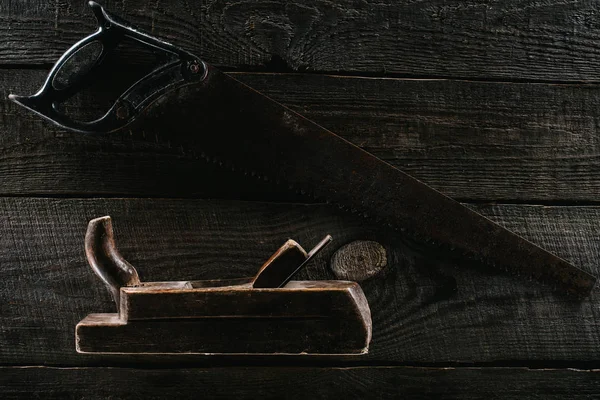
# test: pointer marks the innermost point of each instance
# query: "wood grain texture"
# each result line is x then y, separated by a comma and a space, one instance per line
521, 39
38, 158
470, 140
305, 338
304, 318
422, 310
297, 383
359, 260
469, 137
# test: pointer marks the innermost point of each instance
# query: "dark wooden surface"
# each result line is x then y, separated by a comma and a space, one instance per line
482, 141
493, 103
422, 311
298, 383
506, 40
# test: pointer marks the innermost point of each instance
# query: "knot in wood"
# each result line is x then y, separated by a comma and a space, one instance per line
359, 260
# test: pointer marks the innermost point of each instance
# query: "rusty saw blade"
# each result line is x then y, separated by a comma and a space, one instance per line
223, 118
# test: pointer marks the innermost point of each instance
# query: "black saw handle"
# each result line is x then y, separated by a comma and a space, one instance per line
79, 65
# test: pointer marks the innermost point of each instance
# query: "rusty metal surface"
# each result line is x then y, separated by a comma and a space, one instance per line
244, 130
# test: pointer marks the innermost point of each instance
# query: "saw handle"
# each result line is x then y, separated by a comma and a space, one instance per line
79, 65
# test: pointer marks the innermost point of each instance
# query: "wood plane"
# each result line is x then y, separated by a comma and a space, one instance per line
264, 314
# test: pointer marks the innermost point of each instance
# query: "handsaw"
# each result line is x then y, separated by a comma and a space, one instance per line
245, 130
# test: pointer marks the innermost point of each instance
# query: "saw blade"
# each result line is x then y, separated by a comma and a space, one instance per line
221, 118
224, 119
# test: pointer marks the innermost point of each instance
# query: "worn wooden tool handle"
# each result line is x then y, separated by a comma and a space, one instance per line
105, 259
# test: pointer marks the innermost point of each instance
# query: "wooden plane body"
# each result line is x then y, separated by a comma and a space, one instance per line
265, 314
225, 317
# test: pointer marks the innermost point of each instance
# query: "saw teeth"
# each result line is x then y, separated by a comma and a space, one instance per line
281, 181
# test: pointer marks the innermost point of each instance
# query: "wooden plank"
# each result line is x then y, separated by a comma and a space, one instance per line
471, 140
296, 383
525, 39
422, 310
